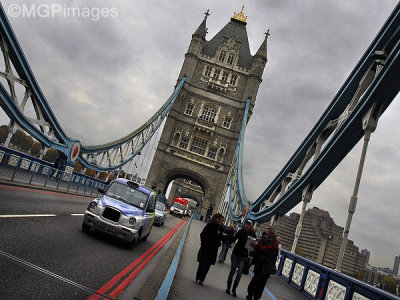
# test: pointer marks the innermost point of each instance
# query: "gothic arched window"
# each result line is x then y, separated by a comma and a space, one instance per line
227, 122
209, 112
189, 109
230, 58
222, 56
207, 73
220, 155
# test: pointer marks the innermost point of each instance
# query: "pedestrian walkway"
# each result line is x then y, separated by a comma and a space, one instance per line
184, 285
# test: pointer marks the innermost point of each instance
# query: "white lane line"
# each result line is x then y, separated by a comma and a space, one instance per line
36, 215
27, 216
53, 276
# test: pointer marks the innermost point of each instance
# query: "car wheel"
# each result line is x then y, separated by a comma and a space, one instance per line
147, 235
85, 228
134, 241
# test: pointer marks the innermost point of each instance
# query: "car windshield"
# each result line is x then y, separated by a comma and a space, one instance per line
127, 194
160, 206
179, 205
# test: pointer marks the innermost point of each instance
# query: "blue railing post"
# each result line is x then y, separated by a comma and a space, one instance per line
322, 285
281, 263
78, 184
59, 178
69, 182
86, 185
303, 279
33, 174
47, 176
15, 168
349, 291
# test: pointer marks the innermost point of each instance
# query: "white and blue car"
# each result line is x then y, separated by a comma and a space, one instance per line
161, 213
126, 211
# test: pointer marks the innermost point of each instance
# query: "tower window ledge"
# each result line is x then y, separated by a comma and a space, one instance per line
216, 85
205, 124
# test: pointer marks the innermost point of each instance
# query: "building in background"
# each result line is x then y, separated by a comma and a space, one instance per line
367, 254
396, 266
320, 240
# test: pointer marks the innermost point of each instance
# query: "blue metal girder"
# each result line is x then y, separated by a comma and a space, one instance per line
23, 69
116, 143
154, 121
55, 137
238, 176
381, 92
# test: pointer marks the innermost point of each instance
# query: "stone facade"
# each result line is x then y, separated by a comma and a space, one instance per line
201, 131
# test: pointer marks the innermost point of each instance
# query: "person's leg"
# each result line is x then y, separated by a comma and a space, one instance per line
260, 285
224, 250
238, 275
198, 272
234, 265
250, 288
204, 272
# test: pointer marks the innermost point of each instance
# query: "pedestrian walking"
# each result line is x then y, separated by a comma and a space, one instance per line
265, 254
239, 254
210, 238
226, 243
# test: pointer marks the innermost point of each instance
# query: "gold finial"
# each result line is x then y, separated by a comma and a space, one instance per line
240, 16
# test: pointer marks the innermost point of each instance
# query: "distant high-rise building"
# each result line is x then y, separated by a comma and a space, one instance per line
367, 254
396, 265
320, 240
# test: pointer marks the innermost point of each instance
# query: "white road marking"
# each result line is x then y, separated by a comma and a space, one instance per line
35, 215
31, 267
27, 216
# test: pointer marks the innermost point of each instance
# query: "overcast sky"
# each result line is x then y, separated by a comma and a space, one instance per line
105, 76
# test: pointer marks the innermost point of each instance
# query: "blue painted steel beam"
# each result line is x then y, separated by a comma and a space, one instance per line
119, 142
238, 158
382, 91
155, 120
23, 69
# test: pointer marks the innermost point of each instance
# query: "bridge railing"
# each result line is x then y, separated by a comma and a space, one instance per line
319, 282
20, 167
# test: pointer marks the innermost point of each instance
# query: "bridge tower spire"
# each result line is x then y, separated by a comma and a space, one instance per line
202, 129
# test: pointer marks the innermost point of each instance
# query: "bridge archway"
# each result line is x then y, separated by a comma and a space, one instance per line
186, 184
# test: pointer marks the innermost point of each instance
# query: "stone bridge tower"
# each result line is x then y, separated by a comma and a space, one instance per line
201, 131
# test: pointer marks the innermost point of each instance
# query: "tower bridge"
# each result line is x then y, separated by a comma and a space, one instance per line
202, 126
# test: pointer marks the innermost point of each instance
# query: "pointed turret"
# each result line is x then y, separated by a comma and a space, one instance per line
202, 29
199, 37
262, 51
260, 59
194, 51
257, 69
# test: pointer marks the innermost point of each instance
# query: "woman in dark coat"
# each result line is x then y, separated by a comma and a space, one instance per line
210, 239
264, 264
239, 254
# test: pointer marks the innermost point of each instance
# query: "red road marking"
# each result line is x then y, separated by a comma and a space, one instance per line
41, 192
157, 246
124, 284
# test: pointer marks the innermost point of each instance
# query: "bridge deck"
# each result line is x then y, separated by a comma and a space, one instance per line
184, 285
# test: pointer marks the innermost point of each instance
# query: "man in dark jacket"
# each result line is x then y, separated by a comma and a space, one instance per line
226, 242
239, 254
210, 238
266, 252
